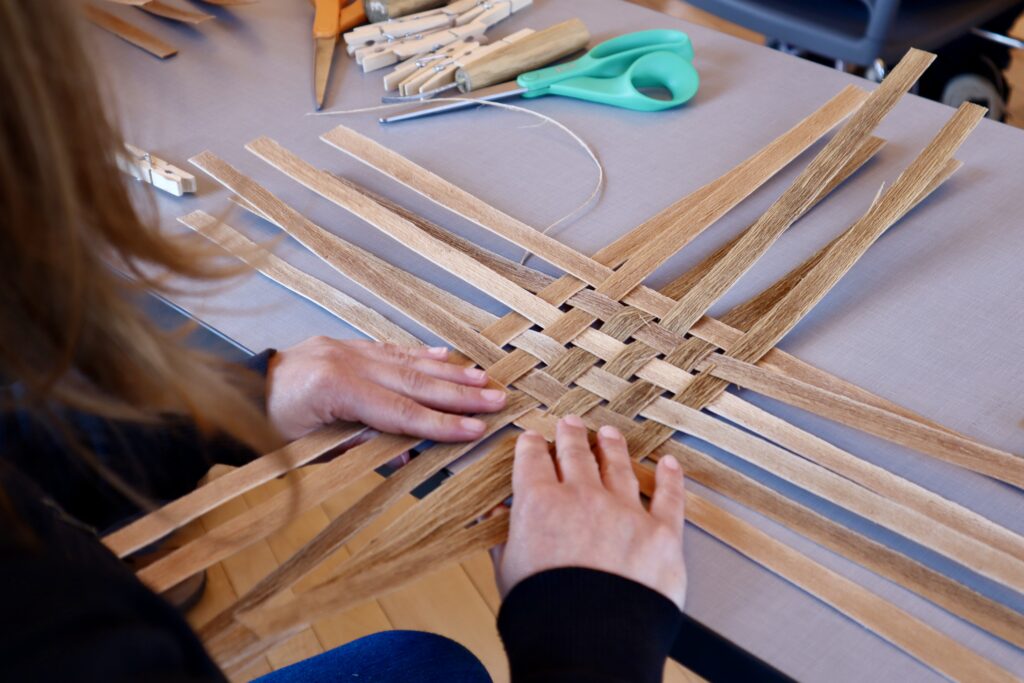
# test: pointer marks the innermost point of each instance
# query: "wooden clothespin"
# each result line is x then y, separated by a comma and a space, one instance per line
437, 70
378, 45
413, 84
147, 168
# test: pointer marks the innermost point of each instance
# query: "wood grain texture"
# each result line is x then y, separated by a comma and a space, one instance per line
536, 50
396, 557
128, 32
341, 529
887, 420
799, 196
382, 10
157, 524
926, 644
655, 230
575, 325
442, 527
590, 271
166, 11
366, 320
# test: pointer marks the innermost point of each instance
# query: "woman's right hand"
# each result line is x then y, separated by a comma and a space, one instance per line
582, 509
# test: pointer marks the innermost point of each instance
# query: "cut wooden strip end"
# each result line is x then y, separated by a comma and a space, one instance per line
162, 9
180, 512
129, 32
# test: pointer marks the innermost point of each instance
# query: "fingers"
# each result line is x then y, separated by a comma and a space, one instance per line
430, 361
433, 392
668, 504
393, 352
576, 462
616, 470
532, 465
447, 371
391, 412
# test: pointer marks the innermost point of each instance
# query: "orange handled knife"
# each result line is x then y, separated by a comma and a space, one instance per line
330, 20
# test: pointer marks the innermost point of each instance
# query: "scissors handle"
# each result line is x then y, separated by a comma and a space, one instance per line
618, 70
612, 57
661, 71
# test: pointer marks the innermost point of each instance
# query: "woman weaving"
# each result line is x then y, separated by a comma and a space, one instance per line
103, 415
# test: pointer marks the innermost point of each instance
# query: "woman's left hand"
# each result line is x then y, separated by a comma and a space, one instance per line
395, 389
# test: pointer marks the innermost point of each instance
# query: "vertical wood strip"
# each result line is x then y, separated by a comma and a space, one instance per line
590, 271
799, 196
183, 510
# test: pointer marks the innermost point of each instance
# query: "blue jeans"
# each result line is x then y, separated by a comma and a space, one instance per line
388, 657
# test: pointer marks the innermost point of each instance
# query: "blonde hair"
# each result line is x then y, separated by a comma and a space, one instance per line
71, 333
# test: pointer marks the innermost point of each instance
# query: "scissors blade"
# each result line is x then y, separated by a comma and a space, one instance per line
324, 56
495, 92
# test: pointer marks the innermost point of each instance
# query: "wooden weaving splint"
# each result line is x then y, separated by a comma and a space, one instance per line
598, 342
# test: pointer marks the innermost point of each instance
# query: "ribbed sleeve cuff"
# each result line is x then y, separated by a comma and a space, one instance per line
576, 624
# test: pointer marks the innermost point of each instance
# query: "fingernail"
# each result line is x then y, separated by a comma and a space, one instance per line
670, 463
530, 434
438, 351
471, 424
475, 374
493, 395
573, 421
609, 432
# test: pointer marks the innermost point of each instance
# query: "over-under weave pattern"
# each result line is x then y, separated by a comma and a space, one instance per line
596, 341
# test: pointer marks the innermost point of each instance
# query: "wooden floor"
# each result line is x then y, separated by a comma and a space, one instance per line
459, 602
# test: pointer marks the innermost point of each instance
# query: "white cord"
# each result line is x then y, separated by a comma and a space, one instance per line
575, 213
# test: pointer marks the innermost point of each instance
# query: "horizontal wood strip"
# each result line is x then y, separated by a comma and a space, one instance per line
162, 9
471, 315
913, 636
665, 341
824, 483
590, 271
474, 273
129, 32
800, 195
262, 520
341, 529
373, 570
406, 293
316, 291
178, 513
941, 444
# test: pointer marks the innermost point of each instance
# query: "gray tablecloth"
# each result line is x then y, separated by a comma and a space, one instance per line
931, 317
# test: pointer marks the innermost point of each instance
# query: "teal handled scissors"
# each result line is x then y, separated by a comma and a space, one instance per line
622, 72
